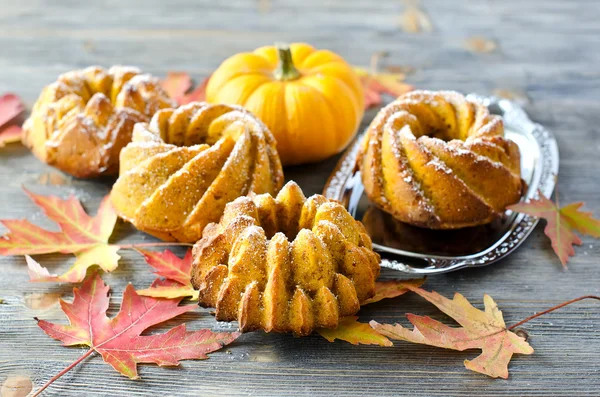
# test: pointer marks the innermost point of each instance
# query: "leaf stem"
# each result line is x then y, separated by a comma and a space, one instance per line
285, 69
553, 309
64, 371
134, 246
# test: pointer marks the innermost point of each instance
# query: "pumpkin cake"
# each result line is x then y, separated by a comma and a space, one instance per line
439, 160
180, 170
80, 123
284, 264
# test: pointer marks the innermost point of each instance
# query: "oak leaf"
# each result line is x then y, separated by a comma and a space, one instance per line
483, 330
11, 107
166, 264
561, 224
359, 333
82, 235
392, 288
177, 85
118, 339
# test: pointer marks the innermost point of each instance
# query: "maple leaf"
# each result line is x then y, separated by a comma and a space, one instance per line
480, 330
166, 264
80, 234
118, 339
10, 108
375, 84
561, 224
359, 333
354, 332
177, 85
10, 134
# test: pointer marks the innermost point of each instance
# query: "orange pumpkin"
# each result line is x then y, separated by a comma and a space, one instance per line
311, 100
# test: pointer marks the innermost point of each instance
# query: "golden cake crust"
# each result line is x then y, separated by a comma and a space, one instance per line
285, 264
439, 160
80, 123
179, 171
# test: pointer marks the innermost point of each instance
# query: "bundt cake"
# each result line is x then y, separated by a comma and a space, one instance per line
439, 160
179, 171
284, 264
80, 123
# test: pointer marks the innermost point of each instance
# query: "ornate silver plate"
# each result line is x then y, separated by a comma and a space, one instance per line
419, 251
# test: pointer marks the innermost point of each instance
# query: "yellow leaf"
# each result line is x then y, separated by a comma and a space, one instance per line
354, 332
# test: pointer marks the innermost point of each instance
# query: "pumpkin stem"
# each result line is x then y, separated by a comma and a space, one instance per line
286, 69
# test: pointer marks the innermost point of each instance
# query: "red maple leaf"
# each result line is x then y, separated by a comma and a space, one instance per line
561, 224
118, 339
11, 107
166, 264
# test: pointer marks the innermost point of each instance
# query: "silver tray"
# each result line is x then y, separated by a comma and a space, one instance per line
420, 251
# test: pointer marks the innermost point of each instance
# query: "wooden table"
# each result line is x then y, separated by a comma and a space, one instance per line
547, 55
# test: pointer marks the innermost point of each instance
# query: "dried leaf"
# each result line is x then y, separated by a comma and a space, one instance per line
11, 134
561, 224
41, 301
354, 332
375, 83
118, 339
480, 330
392, 289
166, 264
198, 94
415, 20
513, 94
176, 84
80, 234
400, 69
16, 386
480, 44
10, 108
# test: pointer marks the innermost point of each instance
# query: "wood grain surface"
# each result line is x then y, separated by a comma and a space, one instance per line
545, 53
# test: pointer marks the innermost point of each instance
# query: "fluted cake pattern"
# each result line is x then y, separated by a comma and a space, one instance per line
439, 160
285, 264
80, 123
179, 172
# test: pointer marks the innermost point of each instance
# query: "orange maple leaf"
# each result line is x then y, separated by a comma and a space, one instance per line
561, 224
80, 234
166, 264
375, 84
177, 85
480, 330
359, 333
118, 339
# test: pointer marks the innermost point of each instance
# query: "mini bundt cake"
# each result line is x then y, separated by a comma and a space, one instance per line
179, 171
80, 123
285, 264
439, 160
